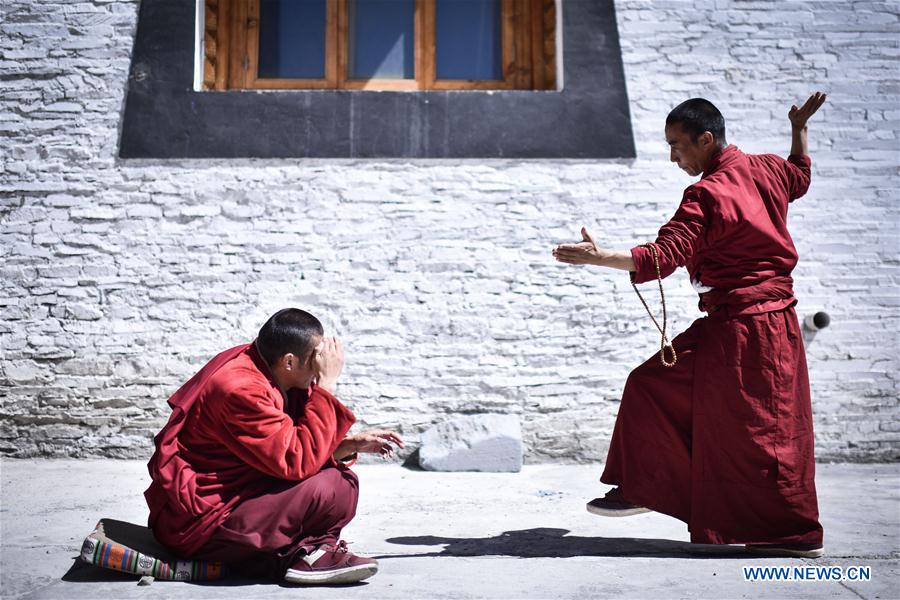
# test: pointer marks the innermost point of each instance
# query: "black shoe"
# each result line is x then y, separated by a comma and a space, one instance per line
613, 505
787, 550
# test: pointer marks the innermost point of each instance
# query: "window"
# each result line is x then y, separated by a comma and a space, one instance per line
167, 114
403, 45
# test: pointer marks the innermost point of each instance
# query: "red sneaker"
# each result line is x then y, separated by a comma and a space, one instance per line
613, 505
331, 564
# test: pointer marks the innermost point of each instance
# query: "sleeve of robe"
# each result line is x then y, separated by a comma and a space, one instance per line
677, 241
264, 436
796, 174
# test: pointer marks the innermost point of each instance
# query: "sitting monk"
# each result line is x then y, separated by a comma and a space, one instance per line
252, 468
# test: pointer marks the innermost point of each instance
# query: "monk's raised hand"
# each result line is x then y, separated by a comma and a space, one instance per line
799, 116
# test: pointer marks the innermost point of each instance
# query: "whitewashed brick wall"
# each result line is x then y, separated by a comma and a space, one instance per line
121, 278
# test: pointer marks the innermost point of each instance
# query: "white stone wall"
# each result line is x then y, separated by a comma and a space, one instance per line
121, 278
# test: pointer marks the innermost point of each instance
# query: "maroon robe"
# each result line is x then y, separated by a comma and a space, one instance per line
233, 437
724, 440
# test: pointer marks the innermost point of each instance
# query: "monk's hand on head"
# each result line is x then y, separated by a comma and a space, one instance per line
328, 360
585, 252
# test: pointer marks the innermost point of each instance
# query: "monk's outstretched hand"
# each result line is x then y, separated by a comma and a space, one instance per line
585, 252
374, 441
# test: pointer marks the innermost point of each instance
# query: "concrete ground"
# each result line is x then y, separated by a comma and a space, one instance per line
457, 535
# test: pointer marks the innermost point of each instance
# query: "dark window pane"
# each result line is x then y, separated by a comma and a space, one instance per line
468, 39
292, 39
381, 39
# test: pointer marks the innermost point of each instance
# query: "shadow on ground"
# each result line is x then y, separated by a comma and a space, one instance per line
81, 572
546, 542
540, 542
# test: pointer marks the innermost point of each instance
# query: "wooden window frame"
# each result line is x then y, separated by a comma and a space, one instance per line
232, 50
382, 84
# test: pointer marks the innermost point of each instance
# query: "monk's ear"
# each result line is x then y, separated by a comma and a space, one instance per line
289, 362
706, 139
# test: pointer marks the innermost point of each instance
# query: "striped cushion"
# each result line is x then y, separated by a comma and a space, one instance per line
131, 548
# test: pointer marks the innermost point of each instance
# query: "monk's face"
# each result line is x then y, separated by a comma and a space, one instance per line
292, 371
308, 371
692, 155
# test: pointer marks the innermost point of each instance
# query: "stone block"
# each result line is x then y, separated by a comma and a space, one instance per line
485, 442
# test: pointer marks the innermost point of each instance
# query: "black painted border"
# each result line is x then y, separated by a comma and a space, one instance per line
165, 118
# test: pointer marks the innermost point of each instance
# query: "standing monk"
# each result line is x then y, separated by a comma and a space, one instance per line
252, 468
721, 439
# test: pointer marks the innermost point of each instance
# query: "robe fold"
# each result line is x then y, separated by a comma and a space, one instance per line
724, 439
231, 437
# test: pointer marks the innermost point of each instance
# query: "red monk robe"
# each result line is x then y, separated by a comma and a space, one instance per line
232, 437
724, 440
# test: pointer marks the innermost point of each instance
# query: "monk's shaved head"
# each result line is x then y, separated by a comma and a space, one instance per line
697, 116
290, 330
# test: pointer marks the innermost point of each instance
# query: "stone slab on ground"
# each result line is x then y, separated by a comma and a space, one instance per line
456, 535
489, 443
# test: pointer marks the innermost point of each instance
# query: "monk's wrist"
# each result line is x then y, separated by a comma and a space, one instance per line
328, 385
